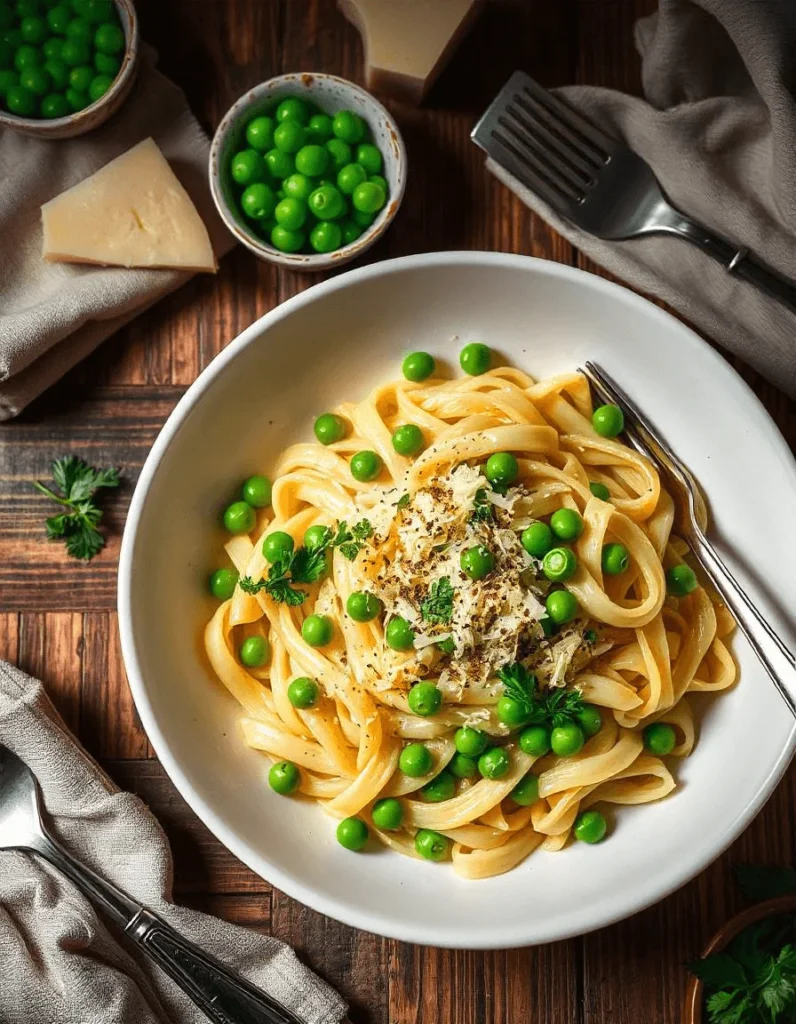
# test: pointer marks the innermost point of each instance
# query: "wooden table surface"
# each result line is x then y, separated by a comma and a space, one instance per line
58, 618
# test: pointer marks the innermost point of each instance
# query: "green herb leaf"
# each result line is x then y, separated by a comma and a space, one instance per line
764, 882
437, 607
483, 509
78, 483
308, 564
403, 501
719, 970
350, 541
554, 707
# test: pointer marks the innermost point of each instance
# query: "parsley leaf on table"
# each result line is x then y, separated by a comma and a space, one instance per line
78, 483
437, 608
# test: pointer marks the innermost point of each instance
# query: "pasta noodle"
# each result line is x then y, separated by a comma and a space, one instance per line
631, 650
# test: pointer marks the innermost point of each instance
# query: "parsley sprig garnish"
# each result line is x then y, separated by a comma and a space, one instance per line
483, 509
437, 607
78, 483
307, 565
554, 707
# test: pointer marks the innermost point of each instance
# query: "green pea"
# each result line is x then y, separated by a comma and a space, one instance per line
79, 29
291, 213
567, 740
615, 559
447, 646
58, 19
537, 539
35, 80
477, 562
326, 202
559, 564
326, 236
408, 439
284, 777
52, 47
107, 64
6, 17
349, 177
34, 29
109, 39
566, 524
441, 787
378, 179
418, 366
368, 197
222, 583
387, 814
424, 699
256, 491
280, 164
431, 845
526, 792
255, 651
298, 186
339, 153
8, 79
369, 157
260, 133
77, 100
350, 230
549, 628
27, 57
293, 108
76, 52
462, 766
317, 630
363, 607
363, 219
600, 491
258, 200
287, 240
469, 741
54, 106
319, 128
660, 739
247, 167
330, 428
608, 420
239, 517
494, 763
475, 358
312, 160
535, 741
365, 466
80, 78
26, 8
399, 635
416, 760
502, 468
277, 546
316, 537
590, 720
590, 827
59, 74
97, 11
11, 36
348, 126
681, 580
511, 712
303, 693
289, 137
561, 606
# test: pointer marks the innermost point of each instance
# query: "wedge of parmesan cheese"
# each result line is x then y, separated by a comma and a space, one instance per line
133, 212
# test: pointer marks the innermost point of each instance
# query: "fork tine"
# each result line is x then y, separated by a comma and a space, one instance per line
567, 116
527, 148
585, 164
518, 163
595, 377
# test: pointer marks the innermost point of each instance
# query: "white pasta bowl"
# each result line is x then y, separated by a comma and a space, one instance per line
337, 341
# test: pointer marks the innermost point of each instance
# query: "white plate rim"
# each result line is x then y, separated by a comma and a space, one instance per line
493, 937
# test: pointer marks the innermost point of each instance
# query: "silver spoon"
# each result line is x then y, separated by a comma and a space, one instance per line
222, 995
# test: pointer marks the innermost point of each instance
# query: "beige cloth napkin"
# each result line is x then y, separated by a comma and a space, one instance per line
59, 962
53, 314
718, 128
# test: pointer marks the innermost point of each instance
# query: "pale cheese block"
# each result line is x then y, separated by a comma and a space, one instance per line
408, 42
133, 212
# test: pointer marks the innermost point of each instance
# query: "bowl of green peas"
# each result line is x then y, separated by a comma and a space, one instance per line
307, 170
65, 65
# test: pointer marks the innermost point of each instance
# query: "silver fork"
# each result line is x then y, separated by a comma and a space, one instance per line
596, 182
222, 995
691, 523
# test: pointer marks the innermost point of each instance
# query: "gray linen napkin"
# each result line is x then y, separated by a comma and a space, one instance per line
719, 130
53, 314
59, 962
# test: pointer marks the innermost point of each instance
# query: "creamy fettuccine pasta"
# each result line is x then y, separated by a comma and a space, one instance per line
463, 624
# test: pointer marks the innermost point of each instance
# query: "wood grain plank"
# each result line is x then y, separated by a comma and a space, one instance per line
50, 648
9, 636
201, 863
249, 910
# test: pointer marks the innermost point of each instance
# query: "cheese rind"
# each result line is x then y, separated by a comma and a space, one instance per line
133, 212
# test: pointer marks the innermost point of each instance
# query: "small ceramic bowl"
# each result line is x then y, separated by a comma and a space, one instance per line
694, 1006
330, 94
97, 113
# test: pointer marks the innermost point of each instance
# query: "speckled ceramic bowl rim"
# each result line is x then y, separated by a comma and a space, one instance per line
695, 994
306, 261
97, 112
